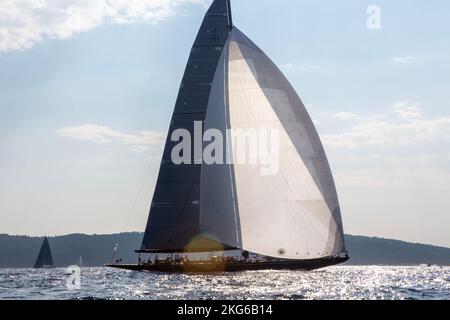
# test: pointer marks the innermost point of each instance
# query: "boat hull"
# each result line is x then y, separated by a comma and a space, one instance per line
208, 267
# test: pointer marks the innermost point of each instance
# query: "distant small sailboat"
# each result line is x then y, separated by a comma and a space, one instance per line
289, 220
44, 259
80, 261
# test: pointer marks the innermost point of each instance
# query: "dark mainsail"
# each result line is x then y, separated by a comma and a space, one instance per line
174, 220
45, 259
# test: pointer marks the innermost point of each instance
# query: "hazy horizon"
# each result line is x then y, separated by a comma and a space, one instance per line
87, 90
142, 232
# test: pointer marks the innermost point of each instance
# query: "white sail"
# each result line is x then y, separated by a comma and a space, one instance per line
294, 213
219, 219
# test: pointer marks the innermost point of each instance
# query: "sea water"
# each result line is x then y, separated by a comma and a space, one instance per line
342, 282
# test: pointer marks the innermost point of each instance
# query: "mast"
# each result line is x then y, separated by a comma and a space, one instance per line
230, 15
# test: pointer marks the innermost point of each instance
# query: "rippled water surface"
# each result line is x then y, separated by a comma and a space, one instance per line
331, 283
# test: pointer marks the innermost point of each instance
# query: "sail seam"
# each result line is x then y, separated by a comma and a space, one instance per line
229, 149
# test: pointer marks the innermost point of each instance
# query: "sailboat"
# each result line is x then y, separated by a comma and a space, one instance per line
287, 220
80, 262
44, 259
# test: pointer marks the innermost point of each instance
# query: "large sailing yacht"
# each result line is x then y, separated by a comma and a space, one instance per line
289, 219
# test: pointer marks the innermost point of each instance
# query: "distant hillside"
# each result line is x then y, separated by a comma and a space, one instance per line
97, 250
377, 251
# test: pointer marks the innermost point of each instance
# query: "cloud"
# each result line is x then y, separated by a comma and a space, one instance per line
397, 176
141, 141
407, 111
301, 67
405, 60
347, 116
27, 22
404, 125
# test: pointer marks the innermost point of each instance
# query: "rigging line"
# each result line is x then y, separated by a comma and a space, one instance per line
133, 207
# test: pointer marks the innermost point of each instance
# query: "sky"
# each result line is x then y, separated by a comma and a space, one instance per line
87, 89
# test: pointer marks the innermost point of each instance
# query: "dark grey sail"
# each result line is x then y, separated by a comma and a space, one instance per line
45, 259
174, 220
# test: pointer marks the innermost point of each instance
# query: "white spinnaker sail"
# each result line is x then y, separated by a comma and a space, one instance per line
294, 213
